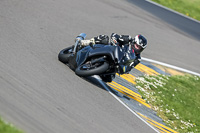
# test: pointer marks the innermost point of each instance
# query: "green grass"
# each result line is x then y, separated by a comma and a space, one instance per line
176, 99
190, 8
8, 128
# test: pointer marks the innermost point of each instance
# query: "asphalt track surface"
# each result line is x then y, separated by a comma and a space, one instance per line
40, 94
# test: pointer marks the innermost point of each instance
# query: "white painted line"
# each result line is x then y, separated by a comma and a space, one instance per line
172, 10
103, 84
170, 66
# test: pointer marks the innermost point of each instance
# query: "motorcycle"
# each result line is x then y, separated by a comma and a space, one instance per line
99, 59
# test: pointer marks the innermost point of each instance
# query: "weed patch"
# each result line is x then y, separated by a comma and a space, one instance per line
176, 99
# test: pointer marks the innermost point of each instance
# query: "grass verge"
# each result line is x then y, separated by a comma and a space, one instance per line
190, 8
176, 99
8, 128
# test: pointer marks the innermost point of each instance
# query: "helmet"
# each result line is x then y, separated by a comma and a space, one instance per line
139, 43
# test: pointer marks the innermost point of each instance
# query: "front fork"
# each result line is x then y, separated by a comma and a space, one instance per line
78, 39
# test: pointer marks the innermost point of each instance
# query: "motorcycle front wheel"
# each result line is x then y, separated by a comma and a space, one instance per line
89, 70
64, 54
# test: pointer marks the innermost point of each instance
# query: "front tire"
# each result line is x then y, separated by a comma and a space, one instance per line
64, 54
80, 71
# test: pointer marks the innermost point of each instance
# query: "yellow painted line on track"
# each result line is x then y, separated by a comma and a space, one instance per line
128, 77
145, 104
159, 128
161, 131
158, 125
139, 100
169, 70
126, 90
146, 69
129, 93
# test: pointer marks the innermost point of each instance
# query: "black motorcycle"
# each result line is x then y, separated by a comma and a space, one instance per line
100, 59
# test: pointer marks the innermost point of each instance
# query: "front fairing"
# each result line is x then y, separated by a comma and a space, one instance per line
101, 50
127, 60
82, 55
88, 52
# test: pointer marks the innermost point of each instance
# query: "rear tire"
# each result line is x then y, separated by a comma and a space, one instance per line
94, 71
64, 55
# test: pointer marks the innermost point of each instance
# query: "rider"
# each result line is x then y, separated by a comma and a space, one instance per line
137, 45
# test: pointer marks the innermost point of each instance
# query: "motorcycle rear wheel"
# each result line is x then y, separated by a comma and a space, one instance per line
80, 71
